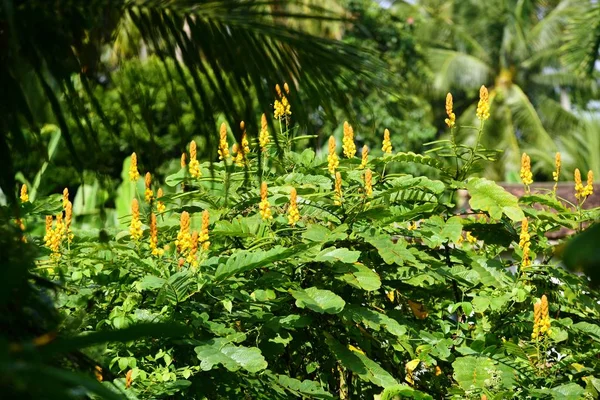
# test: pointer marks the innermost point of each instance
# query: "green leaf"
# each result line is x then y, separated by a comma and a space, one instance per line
308, 388
246, 260
472, 371
590, 329
366, 369
389, 251
374, 320
341, 254
403, 392
358, 276
318, 300
232, 357
320, 234
487, 196
176, 178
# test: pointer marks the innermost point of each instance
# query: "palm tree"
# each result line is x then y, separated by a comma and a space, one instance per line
235, 51
513, 47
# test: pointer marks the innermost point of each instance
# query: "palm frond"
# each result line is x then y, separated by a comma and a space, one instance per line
451, 68
582, 38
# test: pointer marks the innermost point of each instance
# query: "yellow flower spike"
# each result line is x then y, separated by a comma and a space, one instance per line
588, 190
525, 174
263, 136
368, 183
556, 173
135, 227
223, 145
264, 206
156, 251
134, 174
451, 120
525, 243
470, 238
338, 189
160, 206
332, 158
182, 162
579, 188
537, 317
545, 321
203, 238
194, 166
148, 193
184, 238
365, 157
68, 221
293, 213
24, 195
65, 197
387, 143
278, 90
286, 88
191, 257
348, 141
483, 107
49, 230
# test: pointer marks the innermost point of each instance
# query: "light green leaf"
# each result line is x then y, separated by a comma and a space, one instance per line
319, 233
232, 357
358, 276
363, 366
318, 300
374, 320
245, 260
472, 371
389, 251
332, 254
487, 196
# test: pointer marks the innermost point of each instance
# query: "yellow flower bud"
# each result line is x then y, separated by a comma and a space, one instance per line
451, 120
160, 206
365, 157
332, 159
526, 175
194, 166
264, 206
293, 213
223, 145
263, 137
135, 227
348, 141
338, 190
483, 107
24, 195
203, 238
148, 193
368, 183
134, 174
387, 143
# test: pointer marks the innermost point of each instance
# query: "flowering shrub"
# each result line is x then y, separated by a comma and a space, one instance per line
319, 276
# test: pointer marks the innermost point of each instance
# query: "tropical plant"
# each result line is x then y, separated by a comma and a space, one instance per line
323, 276
515, 46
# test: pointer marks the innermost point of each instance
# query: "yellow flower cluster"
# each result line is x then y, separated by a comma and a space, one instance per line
24, 195
556, 173
337, 200
156, 251
135, 227
264, 206
483, 107
148, 193
526, 175
243, 149
194, 166
541, 321
525, 243
68, 220
65, 197
451, 120
387, 143
203, 238
134, 174
263, 136
191, 257
223, 145
282, 107
368, 183
365, 157
54, 236
293, 213
348, 141
332, 158
160, 206
184, 237
582, 192
412, 226
470, 238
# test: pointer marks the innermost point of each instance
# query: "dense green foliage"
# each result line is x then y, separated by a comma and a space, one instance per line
402, 291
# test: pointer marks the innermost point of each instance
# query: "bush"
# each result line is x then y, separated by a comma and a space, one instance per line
385, 285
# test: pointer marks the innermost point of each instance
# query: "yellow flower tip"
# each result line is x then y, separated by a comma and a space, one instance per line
278, 90
526, 175
223, 145
135, 227
580, 190
348, 141
191, 257
286, 88
263, 137
470, 238
589, 188
368, 183
451, 120
24, 195
148, 193
338, 190
184, 238
293, 212
387, 143
556, 173
182, 162
194, 166
160, 206
264, 206
365, 157
203, 238
332, 159
65, 197
68, 220
483, 107
134, 174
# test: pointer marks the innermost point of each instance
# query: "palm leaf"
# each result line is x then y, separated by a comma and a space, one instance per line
451, 66
582, 38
